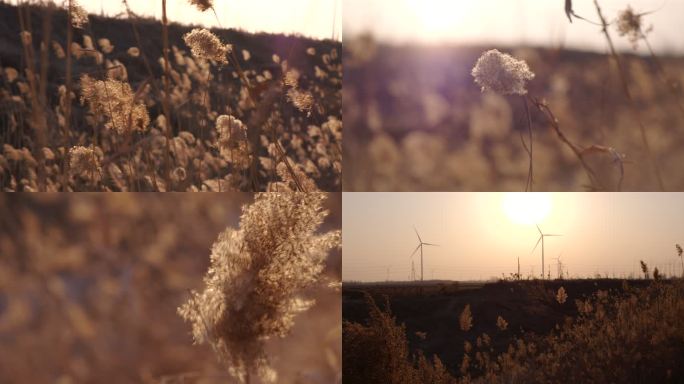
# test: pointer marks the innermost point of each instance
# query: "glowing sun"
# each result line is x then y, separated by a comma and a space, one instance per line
438, 19
526, 207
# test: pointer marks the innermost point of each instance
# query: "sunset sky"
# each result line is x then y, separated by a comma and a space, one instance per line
539, 22
602, 233
312, 18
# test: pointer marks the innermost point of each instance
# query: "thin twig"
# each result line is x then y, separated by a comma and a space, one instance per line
625, 87
577, 150
530, 172
663, 74
166, 99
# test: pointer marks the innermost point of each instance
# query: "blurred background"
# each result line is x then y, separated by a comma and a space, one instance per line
506, 22
89, 286
415, 120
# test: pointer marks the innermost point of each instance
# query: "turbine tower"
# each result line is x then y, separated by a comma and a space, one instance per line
420, 246
542, 235
559, 265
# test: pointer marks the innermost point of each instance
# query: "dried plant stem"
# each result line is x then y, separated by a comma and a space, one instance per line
68, 74
148, 160
577, 150
663, 75
528, 149
630, 99
38, 111
166, 100
151, 80
133, 18
256, 123
44, 50
255, 130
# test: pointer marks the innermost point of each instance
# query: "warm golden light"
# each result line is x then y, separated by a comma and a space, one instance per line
439, 18
526, 207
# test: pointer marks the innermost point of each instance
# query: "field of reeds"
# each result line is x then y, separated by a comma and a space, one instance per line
128, 103
418, 121
97, 288
533, 331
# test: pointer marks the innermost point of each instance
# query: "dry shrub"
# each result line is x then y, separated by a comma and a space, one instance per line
631, 335
377, 352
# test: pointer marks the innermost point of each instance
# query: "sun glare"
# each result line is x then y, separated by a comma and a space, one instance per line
438, 19
526, 207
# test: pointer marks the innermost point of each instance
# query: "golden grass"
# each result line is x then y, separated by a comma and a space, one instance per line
147, 131
626, 335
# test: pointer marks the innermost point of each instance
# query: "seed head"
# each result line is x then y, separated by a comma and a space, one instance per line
561, 295
644, 268
115, 101
466, 319
501, 323
501, 73
291, 78
203, 5
58, 50
105, 45
254, 286
232, 141
83, 161
79, 16
206, 45
302, 100
133, 51
291, 182
26, 37
630, 24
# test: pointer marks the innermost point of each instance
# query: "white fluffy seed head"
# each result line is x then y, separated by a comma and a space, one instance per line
502, 73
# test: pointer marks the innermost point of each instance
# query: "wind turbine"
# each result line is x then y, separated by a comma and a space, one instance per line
559, 265
541, 240
420, 246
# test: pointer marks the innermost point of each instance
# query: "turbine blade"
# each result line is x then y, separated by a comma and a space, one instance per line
419, 239
539, 229
535, 246
552, 234
434, 245
414, 251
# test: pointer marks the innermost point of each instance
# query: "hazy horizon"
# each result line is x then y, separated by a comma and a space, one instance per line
311, 18
509, 23
606, 233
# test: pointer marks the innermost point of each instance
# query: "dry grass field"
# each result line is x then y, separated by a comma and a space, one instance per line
132, 104
589, 331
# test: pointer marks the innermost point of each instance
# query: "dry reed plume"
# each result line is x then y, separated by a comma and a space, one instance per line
254, 287
105, 309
